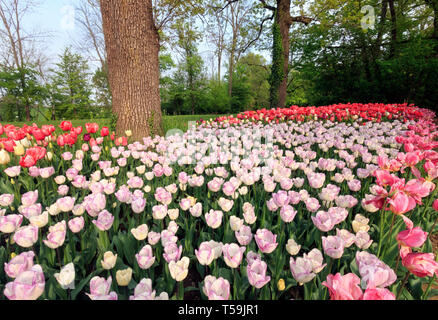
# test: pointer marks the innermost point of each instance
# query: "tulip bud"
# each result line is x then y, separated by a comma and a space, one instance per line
109, 260
4, 157
128, 133
18, 149
123, 277
281, 285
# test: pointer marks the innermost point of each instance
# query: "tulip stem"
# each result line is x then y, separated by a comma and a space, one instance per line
181, 290
403, 285
390, 235
59, 257
382, 214
426, 293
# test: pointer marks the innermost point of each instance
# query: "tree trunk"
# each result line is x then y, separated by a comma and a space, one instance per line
231, 63
284, 23
393, 28
132, 45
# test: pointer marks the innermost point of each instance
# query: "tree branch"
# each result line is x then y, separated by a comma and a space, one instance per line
302, 19
266, 6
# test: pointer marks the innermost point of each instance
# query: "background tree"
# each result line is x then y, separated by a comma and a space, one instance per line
70, 90
19, 49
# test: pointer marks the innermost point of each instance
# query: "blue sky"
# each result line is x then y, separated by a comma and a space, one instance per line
55, 17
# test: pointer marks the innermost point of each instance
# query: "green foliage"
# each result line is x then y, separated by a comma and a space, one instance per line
277, 73
70, 90
20, 88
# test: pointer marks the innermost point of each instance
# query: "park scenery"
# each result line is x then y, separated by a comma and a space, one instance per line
142, 184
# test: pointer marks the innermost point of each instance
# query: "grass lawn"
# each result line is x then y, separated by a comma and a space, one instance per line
169, 122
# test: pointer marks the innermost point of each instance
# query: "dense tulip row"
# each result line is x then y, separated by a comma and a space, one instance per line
234, 209
358, 112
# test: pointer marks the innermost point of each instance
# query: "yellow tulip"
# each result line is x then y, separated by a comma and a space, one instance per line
4, 157
123, 277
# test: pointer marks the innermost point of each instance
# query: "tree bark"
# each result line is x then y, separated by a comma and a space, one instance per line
284, 22
132, 45
393, 28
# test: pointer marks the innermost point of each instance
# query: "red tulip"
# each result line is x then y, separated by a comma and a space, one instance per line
27, 161
92, 127
104, 132
66, 125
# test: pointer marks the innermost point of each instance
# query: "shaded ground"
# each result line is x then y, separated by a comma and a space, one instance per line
434, 240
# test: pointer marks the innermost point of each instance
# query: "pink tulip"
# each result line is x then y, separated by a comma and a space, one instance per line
343, 287
374, 271
271, 205
185, 204
401, 203
316, 180
29, 198
28, 285
312, 204
104, 220
30, 211
46, 172
26, 236
172, 252
138, 205
243, 235
13, 171
333, 246
287, 213
266, 240
10, 222
354, 185
66, 204
99, 289
281, 198
123, 194
347, 236
143, 291
183, 178
34, 171
56, 236
163, 196
372, 293
233, 254
214, 218
6, 199
94, 203
76, 224
413, 238
363, 240
216, 288
153, 237
256, 272
215, 184
196, 210
135, 183
337, 214
316, 258
323, 221
421, 264
145, 257
19, 264
302, 269
205, 254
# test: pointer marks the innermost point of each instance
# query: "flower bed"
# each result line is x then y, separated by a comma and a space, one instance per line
294, 205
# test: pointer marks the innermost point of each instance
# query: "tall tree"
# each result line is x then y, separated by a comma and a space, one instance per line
70, 87
132, 46
19, 46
